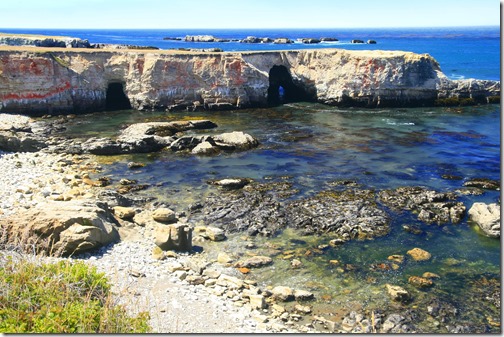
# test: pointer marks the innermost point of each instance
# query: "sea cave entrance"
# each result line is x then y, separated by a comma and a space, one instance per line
282, 89
116, 99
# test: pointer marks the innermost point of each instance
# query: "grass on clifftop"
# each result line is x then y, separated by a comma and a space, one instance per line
62, 297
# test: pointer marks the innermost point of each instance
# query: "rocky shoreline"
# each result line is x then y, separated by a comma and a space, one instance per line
201, 291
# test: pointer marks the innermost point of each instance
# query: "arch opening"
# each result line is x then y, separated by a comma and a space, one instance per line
116, 99
282, 88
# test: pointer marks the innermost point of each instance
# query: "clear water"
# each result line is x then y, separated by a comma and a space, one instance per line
315, 144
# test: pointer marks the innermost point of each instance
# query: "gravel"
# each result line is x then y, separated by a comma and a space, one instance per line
139, 281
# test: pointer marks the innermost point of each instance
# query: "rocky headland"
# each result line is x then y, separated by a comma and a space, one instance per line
41, 81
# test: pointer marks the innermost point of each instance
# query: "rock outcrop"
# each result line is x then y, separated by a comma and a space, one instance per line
70, 81
65, 228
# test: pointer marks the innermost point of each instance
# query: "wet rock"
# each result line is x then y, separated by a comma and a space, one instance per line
236, 139
484, 183
135, 165
352, 214
396, 323
205, 148
441, 310
487, 217
231, 183
419, 254
254, 262
431, 206
303, 295
430, 275
282, 40
397, 293
420, 282
255, 209
310, 40
396, 258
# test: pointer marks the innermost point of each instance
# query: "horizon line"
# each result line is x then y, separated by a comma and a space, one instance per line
279, 28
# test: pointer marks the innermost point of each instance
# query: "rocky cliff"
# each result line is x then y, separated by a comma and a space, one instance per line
39, 81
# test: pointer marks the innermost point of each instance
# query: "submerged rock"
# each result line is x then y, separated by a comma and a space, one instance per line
419, 254
484, 183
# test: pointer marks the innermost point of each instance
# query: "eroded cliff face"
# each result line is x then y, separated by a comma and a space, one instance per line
39, 82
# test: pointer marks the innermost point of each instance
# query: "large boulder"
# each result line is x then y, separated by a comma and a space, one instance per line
174, 237
65, 228
487, 217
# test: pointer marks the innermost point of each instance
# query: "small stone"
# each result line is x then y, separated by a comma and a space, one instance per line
231, 184
165, 215
135, 165
258, 302
283, 293
215, 234
419, 254
296, 263
336, 242
194, 279
244, 270
304, 309
224, 258
204, 148
303, 295
180, 274
396, 258
397, 293
254, 262
127, 181
211, 273
334, 262
430, 275
420, 282
124, 212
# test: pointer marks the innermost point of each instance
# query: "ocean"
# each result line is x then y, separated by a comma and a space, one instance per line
311, 146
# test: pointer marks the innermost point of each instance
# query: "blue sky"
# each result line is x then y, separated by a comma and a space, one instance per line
246, 13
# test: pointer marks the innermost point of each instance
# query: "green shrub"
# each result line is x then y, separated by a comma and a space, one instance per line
62, 297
